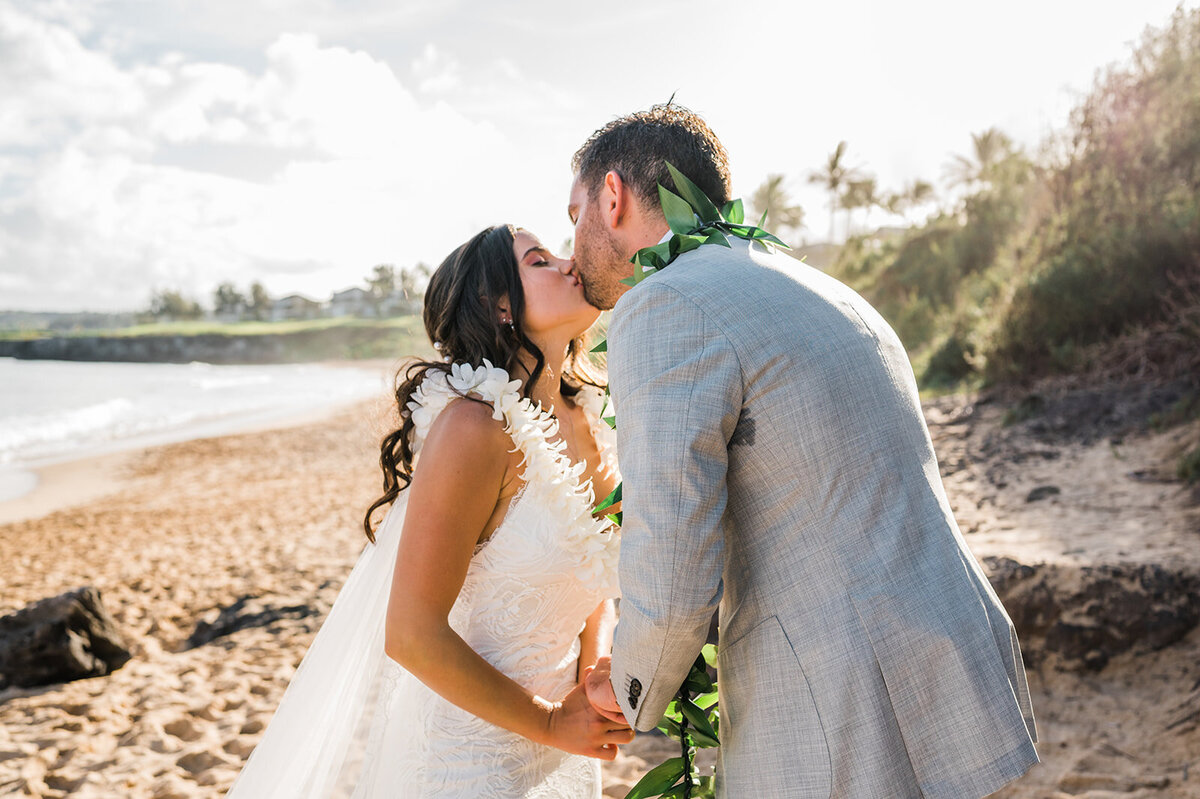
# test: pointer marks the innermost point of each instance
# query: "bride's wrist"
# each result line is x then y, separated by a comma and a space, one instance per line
545, 711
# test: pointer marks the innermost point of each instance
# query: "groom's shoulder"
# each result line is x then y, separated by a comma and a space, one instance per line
714, 273
698, 284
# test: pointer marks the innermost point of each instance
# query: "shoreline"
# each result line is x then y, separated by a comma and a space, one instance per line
67, 484
35, 487
74, 480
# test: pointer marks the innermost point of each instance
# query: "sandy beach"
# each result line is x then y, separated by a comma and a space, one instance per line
172, 535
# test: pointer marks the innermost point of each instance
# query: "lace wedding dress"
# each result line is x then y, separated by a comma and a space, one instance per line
354, 724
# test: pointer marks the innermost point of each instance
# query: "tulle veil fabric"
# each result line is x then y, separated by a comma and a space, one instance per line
314, 746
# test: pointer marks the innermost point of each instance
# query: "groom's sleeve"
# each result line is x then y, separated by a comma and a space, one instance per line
677, 389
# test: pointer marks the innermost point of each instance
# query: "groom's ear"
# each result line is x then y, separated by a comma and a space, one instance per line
614, 199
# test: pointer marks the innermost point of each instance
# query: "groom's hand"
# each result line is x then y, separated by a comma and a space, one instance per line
598, 683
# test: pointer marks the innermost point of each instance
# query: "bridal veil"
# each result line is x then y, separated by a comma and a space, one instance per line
315, 744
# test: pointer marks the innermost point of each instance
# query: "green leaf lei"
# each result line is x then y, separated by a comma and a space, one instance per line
694, 221
693, 717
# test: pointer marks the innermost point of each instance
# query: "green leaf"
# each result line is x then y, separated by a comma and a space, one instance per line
669, 728
601, 347
658, 779
763, 235
698, 682
678, 792
682, 244
615, 518
612, 499
645, 263
741, 230
677, 211
611, 421
762, 220
706, 701
709, 653
734, 212
701, 728
656, 256
717, 237
697, 199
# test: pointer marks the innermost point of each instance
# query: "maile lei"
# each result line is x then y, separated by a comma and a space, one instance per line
693, 717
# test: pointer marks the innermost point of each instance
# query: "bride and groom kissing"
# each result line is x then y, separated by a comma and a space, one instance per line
775, 466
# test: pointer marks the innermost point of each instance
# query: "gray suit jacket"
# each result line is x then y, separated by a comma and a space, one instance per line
776, 461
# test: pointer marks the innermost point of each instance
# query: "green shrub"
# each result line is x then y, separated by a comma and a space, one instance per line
1125, 215
1188, 469
949, 364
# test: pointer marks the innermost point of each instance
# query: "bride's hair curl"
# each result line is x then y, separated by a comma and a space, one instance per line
461, 319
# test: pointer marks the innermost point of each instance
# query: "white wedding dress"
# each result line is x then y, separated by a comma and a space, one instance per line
354, 724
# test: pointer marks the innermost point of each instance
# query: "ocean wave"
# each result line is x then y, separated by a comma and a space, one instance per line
58, 409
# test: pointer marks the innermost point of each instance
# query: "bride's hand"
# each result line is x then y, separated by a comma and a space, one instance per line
598, 684
574, 726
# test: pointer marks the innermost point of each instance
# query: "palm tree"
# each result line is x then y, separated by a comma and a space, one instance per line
913, 195
832, 177
860, 193
773, 198
990, 149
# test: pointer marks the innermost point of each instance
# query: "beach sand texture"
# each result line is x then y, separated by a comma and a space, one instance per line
190, 528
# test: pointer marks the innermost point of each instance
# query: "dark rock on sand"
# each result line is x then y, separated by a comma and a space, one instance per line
258, 611
1042, 492
62, 638
1077, 618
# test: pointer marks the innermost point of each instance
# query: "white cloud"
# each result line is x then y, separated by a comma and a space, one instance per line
367, 173
50, 82
175, 143
435, 72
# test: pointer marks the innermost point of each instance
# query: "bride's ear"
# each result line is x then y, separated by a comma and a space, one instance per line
503, 310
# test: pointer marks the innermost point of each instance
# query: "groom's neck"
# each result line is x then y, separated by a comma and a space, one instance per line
647, 234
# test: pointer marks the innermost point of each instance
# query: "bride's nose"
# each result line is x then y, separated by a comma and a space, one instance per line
566, 266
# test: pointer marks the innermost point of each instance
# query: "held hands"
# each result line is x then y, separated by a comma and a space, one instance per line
574, 726
600, 692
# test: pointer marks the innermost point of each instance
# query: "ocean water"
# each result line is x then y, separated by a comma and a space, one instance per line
52, 411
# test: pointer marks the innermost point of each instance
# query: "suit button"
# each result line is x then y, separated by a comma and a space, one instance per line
635, 691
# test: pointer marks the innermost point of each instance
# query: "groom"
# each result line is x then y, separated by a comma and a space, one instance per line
776, 462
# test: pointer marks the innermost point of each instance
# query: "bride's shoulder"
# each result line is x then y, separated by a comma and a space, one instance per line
486, 387
456, 411
466, 425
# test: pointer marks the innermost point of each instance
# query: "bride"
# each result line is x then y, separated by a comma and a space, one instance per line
451, 664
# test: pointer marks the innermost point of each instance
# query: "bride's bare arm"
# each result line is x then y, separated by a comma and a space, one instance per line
464, 463
597, 636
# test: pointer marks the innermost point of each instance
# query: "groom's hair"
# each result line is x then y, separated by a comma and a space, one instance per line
638, 146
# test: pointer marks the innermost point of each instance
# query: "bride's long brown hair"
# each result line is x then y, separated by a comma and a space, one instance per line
461, 319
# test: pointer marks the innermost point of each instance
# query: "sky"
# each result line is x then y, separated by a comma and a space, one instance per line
170, 144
